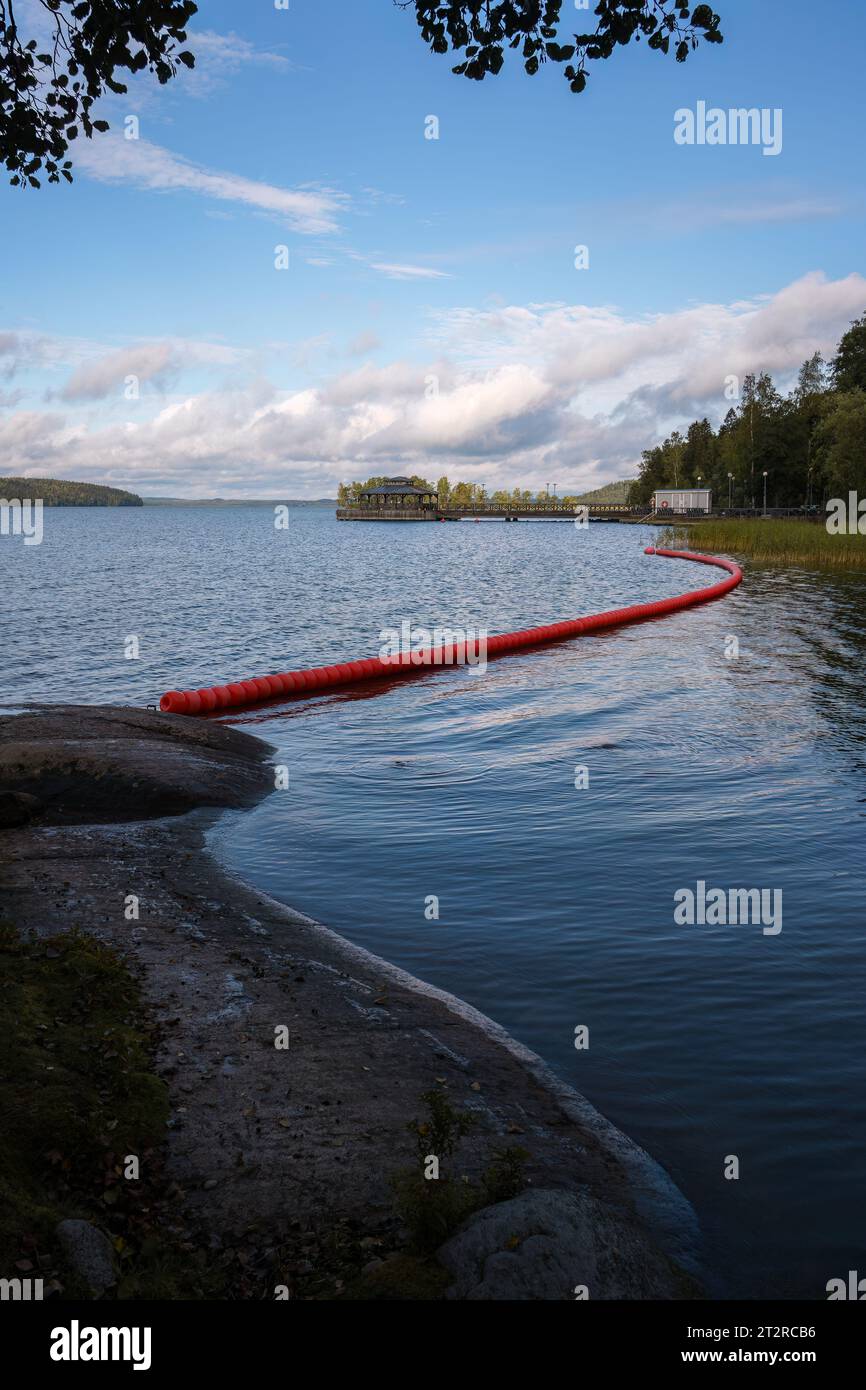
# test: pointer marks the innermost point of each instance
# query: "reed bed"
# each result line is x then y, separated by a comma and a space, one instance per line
783, 542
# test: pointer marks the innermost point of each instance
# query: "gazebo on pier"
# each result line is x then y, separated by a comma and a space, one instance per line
397, 492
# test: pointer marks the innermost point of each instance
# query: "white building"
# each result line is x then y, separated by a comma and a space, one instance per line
683, 499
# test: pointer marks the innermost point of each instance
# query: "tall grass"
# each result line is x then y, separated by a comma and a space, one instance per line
785, 542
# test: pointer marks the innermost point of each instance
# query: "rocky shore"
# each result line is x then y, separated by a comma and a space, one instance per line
103, 817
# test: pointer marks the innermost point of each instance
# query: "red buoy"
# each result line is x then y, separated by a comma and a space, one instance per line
251, 692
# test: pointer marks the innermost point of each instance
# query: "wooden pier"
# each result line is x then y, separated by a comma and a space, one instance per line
398, 499
489, 511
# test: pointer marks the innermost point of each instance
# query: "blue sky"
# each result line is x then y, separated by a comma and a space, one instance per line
431, 318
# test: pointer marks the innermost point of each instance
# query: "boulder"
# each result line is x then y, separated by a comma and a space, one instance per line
547, 1245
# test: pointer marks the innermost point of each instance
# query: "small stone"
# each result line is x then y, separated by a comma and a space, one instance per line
90, 1253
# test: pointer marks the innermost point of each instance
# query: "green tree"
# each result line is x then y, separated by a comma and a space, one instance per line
652, 473
849, 364
461, 494
479, 33
809, 404
759, 433
811, 378
841, 445
699, 454
47, 93
728, 481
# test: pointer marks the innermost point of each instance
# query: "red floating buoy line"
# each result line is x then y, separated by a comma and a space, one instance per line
249, 692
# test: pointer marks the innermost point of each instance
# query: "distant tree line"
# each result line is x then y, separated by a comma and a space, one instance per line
55, 493
811, 443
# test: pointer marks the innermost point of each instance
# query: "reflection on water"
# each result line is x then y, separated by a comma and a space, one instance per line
556, 904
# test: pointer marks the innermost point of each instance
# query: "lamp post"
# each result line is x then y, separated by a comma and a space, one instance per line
765, 492
730, 491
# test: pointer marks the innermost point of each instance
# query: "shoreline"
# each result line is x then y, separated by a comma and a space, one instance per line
263, 1143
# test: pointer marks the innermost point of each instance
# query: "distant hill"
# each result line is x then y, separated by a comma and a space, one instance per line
54, 492
239, 501
611, 492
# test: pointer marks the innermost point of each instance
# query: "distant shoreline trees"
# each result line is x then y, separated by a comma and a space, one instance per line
811, 443
54, 492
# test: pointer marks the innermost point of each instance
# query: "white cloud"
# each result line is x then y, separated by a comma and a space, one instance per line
518, 394
602, 354
111, 159
395, 271
783, 210
741, 206
219, 56
157, 363
362, 344
96, 380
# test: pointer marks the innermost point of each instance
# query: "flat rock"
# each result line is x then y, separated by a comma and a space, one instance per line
89, 764
548, 1245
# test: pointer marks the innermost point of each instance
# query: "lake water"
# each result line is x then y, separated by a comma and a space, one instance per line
556, 904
